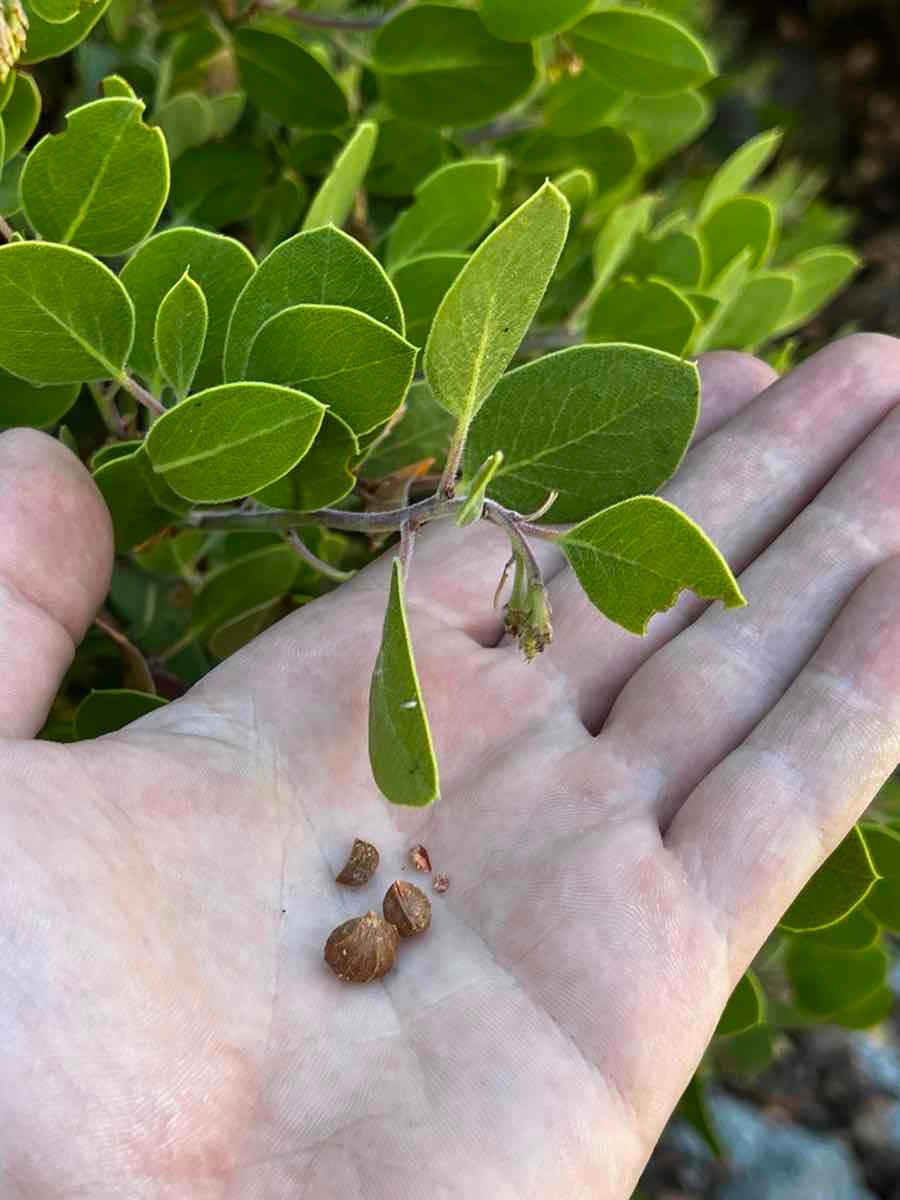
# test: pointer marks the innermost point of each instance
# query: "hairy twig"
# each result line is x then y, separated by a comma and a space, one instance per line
140, 394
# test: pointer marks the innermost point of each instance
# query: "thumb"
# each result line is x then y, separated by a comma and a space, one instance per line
56, 553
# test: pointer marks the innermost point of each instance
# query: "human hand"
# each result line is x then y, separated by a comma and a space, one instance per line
623, 822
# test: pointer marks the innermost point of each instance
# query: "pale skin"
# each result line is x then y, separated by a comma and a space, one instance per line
623, 822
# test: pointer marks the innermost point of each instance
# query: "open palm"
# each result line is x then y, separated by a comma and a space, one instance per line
623, 822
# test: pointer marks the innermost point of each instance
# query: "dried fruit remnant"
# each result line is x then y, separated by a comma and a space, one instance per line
408, 908
360, 866
418, 857
362, 948
440, 882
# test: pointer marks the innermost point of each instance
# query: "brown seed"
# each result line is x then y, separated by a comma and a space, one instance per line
418, 856
362, 948
407, 908
440, 882
360, 866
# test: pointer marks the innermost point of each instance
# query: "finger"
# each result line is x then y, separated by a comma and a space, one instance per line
55, 562
699, 696
760, 824
743, 485
457, 570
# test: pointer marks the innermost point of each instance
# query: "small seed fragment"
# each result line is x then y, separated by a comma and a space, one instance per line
440, 882
360, 866
406, 907
362, 948
418, 857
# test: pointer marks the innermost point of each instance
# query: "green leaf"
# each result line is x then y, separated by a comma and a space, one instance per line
180, 334
279, 212
825, 981
818, 275
6, 87
840, 884
883, 845
598, 424
66, 318
660, 126
474, 503
634, 559
102, 183
230, 441
22, 403
117, 85
186, 120
579, 186
883, 903
218, 184
140, 502
867, 1013
111, 709
406, 152
10, 202
641, 52
236, 633
491, 303
2, 146
242, 585
323, 475
21, 114
424, 431
226, 111
745, 1007
649, 313
753, 315
526, 20
440, 66
350, 362
333, 202
322, 266
740, 170
400, 746
453, 208
57, 11
742, 223
693, 1108
609, 153
856, 931
618, 236
220, 265
283, 79
47, 39
675, 257
580, 103
421, 284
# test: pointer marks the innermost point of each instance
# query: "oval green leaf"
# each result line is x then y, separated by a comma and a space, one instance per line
232, 440
642, 52
597, 424
333, 202
140, 502
21, 114
740, 170
422, 283
246, 583
283, 79
180, 334
322, 266
742, 223
883, 904
837, 888
323, 475
423, 431
744, 1009
66, 318
648, 313
818, 277
661, 126
754, 314
856, 931
108, 710
635, 558
825, 981
491, 303
400, 746
49, 39
357, 367
22, 403
527, 20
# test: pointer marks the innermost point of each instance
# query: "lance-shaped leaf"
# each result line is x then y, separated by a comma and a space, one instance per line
595, 423
285, 80
491, 303
738, 171
244, 584
66, 318
474, 502
220, 265
101, 183
422, 283
22, 403
648, 313
453, 208
754, 314
742, 223
818, 277
744, 1009
662, 125
322, 266
837, 888
353, 364
21, 113
527, 20
642, 52
110, 709
140, 502
232, 440
323, 475
180, 334
826, 981
635, 558
333, 202
400, 746
440, 66
50, 39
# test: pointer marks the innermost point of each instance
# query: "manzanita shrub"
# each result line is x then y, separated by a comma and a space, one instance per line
296, 284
